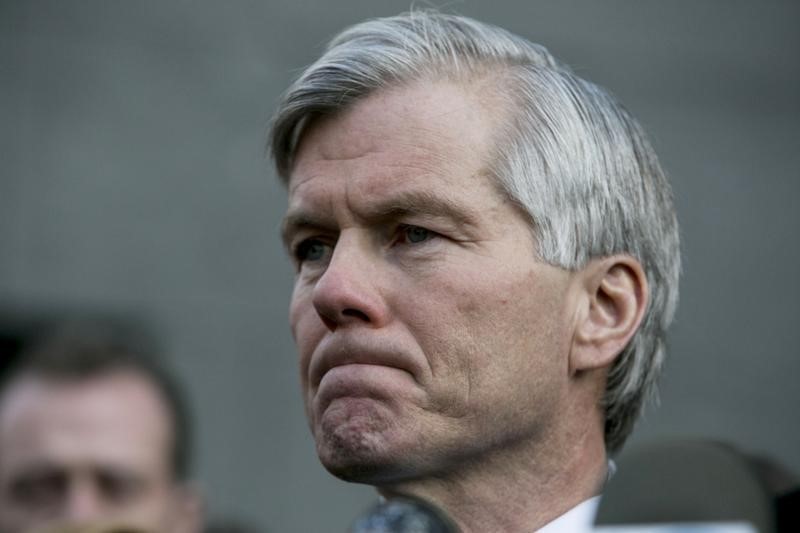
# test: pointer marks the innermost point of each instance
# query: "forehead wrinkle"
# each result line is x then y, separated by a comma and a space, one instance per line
300, 217
420, 202
432, 153
363, 125
385, 206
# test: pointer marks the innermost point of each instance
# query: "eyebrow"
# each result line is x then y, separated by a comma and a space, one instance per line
396, 206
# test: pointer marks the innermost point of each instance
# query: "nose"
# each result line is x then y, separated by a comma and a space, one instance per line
84, 503
350, 291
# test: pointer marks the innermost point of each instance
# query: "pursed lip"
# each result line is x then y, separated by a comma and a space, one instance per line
340, 350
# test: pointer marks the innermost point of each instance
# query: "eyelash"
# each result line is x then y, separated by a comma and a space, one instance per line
401, 236
301, 249
404, 229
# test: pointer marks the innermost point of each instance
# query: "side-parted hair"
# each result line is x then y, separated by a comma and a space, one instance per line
569, 154
75, 352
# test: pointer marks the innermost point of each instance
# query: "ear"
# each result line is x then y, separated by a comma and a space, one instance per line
615, 298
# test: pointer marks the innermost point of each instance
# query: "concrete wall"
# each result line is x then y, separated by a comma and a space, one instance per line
133, 179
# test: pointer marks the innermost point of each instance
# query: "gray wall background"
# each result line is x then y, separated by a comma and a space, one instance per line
133, 180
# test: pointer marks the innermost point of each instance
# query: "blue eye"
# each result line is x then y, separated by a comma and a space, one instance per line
416, 234
310, 250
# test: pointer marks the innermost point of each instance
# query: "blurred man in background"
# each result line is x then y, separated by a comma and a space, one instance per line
487, 262
91, 433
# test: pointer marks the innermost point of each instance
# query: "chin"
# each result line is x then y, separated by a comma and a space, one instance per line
371, 470
362, 447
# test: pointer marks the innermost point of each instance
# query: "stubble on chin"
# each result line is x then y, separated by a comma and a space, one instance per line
354, 442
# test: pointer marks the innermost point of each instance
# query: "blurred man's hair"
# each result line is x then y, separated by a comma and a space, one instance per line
82, 351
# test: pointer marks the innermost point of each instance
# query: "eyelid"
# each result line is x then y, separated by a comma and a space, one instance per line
406, 226
296, 248
402, 230
120, 485
39, 488
293, 234
297, 238
439, 224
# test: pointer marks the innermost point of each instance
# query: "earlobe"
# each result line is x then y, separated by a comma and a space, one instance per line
614, 302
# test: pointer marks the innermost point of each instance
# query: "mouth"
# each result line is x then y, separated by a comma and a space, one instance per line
361, 394
361, 381
359, 361
354, 376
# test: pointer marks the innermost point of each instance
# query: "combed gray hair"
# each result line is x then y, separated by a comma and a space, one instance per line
571, 156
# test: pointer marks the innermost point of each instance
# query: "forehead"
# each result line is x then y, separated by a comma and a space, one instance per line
116, 419
426, 130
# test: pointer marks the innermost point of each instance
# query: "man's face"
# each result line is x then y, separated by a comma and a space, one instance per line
428, 332
86, 451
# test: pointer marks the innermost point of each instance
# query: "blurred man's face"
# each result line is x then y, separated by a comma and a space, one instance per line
429, 333
87, 451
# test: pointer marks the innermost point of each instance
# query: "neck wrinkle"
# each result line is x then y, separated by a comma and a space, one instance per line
516, 491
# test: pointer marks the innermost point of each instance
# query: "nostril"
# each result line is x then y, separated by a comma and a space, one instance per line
329, 323
355, 313
334, 320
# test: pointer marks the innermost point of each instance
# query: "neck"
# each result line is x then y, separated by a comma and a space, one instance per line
517, 489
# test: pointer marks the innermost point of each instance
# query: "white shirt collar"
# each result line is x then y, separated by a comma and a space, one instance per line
579, 519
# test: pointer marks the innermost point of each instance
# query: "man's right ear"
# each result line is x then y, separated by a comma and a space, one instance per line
616, 296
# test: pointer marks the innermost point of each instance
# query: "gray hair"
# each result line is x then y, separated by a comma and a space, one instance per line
571, 156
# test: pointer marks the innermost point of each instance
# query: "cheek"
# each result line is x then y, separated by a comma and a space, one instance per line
307, 328
455, 320
490, 325
298, 306
496, 305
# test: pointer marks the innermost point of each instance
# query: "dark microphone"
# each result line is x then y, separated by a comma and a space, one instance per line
404, 515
